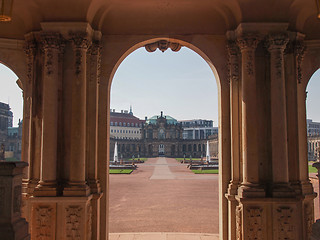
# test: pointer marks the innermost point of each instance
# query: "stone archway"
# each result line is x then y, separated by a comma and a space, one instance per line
220, 74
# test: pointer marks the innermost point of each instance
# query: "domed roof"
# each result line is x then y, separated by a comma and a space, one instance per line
153, 119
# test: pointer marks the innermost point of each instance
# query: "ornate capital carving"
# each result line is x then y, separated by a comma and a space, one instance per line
163, 45
30, 50
277, 41
52, 43
80, 43
233, 63
51, 40
95, 48
80, 40
248, 41
299, 50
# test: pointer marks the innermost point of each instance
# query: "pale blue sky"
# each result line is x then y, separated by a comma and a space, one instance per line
181, 84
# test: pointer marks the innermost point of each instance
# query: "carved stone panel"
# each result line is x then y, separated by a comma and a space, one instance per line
285, 223
254, 223
43, 227
309, 217
238, 222
89, 221
73, 222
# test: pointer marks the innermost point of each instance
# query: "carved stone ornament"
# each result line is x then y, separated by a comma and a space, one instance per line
248, 41
163, 45
43, 219
95, 62
89, 221
52, 43
233, 62
285, 223
299, 51
73, 223
81, 43
248, 44
254, 223
30, 49
238, 223
308, 212
276, 45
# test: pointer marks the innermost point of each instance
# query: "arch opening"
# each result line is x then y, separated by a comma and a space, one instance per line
155, 148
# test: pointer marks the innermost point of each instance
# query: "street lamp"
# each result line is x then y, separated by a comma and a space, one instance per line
6, 10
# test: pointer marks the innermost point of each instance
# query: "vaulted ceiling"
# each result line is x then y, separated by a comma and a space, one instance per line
162, 16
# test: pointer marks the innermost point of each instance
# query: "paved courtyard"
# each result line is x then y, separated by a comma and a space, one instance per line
163, 196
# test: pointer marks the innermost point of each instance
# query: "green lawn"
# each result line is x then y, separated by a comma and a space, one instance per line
210, 171
136, 159
12, 159
120, 171
312, 169
193, 159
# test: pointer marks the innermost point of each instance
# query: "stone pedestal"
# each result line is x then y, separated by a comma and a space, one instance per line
12, 225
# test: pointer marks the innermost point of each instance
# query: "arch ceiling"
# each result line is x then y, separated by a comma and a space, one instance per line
161, 16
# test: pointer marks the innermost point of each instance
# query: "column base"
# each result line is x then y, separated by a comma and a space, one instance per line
251, 190
46, 189
283, 190
94, 186
76, 189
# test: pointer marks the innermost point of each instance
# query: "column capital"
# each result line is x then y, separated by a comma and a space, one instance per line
80, 40
248, 41
51, 40
277, 41
232, 47
95, 48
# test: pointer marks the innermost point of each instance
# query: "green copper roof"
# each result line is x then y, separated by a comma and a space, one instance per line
153, 119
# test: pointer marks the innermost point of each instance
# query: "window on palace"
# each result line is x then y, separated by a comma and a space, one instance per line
116, 124
111, 123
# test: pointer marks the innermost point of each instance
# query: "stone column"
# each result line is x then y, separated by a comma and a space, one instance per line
12, 226
235, 109
247, 43
77, 174
48, 177
93, 75
276, 44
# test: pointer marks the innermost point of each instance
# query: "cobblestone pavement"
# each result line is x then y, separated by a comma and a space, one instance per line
162, 195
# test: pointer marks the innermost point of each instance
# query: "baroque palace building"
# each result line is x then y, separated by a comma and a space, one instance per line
162, 135
65, 53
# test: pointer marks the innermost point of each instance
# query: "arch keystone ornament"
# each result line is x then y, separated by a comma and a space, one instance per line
163, 45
